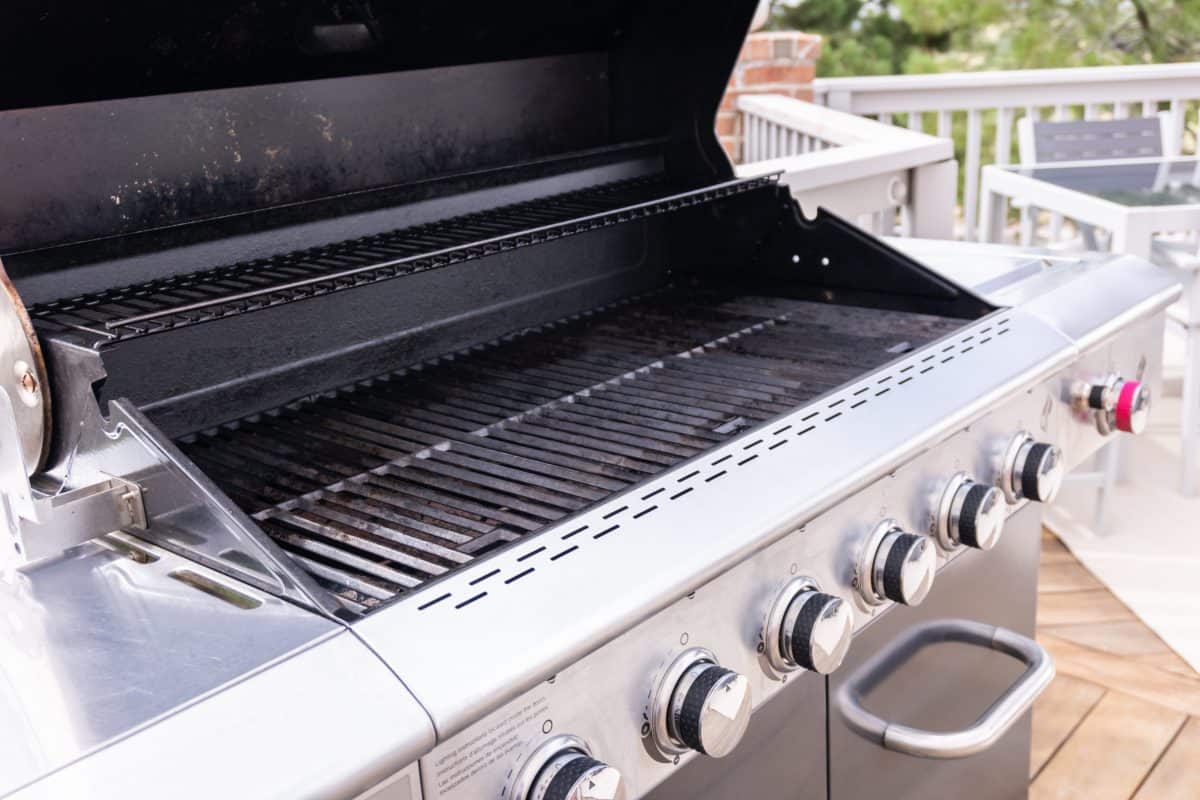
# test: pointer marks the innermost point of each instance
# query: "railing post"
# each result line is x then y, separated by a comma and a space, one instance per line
932, 195
840, 101
1174, 123
971, 187
1004, 126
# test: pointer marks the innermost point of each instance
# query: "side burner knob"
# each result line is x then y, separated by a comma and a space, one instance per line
897, 566
1118, 404
562, 768
1032, 470
807, 629
970, 513
700, 706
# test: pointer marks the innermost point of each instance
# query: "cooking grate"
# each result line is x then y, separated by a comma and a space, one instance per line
178, 301
380, 487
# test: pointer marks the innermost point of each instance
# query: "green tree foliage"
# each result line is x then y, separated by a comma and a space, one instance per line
873, 37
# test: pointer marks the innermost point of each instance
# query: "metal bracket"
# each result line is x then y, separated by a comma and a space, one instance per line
74, 517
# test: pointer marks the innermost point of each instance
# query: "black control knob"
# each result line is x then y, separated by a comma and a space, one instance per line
808, 629
1032, 471
710, 709
562, 768
897, 566
970, 513
699, 705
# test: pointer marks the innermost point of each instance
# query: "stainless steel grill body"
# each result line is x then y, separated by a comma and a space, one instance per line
382, 398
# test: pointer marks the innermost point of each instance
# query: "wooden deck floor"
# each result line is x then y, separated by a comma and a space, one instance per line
1122, 718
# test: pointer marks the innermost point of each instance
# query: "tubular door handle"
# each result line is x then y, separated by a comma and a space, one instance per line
985, 731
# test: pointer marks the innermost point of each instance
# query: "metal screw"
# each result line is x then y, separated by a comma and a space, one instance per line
29, 382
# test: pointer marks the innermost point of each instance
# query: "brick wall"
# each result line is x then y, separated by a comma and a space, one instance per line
779, 62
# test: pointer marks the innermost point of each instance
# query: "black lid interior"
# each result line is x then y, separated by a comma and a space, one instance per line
135, 116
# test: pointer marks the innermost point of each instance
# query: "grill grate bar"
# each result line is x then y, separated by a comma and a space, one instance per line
244, 287
425, 470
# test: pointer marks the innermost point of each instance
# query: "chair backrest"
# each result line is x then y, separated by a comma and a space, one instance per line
1089, 140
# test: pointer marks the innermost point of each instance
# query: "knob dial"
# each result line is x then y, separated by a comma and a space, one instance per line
807, 629
897, 566
562, 768
970, 513
1118, 404
700, 706
1032, 470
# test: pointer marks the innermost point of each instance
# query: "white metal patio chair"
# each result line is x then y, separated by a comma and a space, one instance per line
1044, 142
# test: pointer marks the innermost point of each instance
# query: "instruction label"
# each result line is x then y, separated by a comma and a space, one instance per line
488, 750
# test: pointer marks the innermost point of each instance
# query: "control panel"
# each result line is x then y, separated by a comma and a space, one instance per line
685, 683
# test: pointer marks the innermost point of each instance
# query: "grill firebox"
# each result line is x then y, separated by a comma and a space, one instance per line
382, 486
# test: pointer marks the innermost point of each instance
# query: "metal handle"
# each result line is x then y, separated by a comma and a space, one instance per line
995, 721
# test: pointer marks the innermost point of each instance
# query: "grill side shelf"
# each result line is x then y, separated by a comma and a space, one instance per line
157, 306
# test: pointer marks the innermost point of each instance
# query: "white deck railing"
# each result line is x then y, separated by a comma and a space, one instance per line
991, 103
856, 167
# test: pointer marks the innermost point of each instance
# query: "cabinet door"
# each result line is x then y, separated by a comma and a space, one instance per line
782, 754
945, 686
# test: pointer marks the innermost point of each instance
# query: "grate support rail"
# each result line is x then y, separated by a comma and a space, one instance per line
156, 306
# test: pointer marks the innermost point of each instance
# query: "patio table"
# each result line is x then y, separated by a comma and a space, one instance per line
1134, 198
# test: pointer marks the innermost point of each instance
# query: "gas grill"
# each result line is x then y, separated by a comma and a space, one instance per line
443, 393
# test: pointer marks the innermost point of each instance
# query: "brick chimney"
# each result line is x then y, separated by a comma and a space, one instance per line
777, 62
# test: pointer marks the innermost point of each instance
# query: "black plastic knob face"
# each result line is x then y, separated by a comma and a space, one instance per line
968, 519
709, 709
563, 784
695, 702
574, 775
907, 571
1032, 485
819, 632
807, 617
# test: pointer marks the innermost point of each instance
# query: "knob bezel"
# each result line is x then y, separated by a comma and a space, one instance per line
1009, 474
673, 696
872, 563
773, 627
1012, 472
948, 527
779, 622
525, 779
660, 701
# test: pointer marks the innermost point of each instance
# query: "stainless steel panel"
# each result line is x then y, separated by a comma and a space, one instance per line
404, 785
1088, 297
328, 722
96, 644
948, 686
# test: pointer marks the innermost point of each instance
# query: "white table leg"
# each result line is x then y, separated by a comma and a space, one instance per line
1029, 215
1191, 414
992, 213
1133, 237
1111, 466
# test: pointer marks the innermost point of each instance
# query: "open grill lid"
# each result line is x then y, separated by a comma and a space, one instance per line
149, 115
